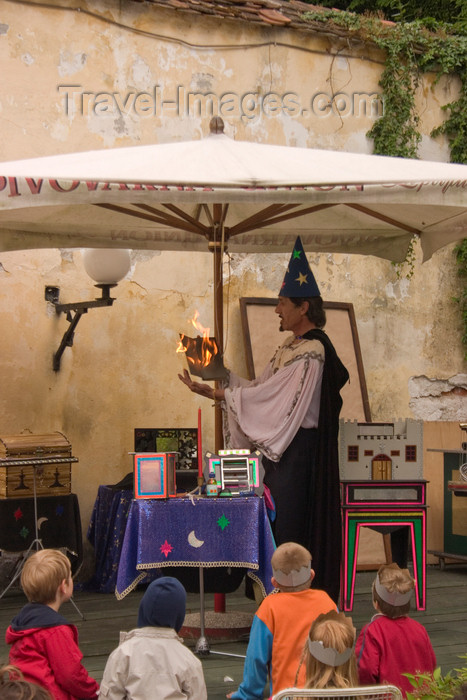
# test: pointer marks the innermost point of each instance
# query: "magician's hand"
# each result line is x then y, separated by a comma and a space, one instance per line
196, 387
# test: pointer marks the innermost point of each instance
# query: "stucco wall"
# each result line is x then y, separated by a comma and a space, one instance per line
121, 371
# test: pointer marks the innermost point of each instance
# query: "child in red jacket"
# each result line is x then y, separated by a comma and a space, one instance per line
392, 643
44, 646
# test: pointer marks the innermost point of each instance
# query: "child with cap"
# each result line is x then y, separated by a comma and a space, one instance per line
281, 624
392, 643
151, 661
329, 653
44, 645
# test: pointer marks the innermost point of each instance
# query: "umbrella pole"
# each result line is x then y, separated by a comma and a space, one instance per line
218, 333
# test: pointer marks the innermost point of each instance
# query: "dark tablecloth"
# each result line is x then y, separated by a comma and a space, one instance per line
58, 520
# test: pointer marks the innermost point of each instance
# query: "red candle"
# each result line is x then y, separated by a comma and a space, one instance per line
200, 449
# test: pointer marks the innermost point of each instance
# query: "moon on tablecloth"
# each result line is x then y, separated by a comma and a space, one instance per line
40, 521
194, 541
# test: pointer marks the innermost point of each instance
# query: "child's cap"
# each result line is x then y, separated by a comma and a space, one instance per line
395, 598
163, 604
328, 655
291, 565
294, 578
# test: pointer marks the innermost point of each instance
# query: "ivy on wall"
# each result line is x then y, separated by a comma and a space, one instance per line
414, 48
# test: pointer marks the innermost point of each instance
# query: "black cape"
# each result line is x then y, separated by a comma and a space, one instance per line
324, 524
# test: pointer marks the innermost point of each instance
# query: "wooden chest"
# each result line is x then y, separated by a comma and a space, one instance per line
48, 455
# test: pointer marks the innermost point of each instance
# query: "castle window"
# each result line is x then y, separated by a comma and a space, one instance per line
395, 453
352, 453
410, 453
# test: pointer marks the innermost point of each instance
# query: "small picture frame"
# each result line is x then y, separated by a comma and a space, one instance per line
154, 474
183, 441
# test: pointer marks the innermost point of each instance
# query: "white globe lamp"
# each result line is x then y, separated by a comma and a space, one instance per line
106, 265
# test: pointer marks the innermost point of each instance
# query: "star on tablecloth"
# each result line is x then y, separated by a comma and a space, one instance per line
223, 522
18, 514
24, 532
166, 548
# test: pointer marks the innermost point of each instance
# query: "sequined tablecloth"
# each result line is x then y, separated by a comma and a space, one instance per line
105, 532
203, 532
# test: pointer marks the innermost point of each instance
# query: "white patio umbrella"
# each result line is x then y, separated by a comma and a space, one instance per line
184, 195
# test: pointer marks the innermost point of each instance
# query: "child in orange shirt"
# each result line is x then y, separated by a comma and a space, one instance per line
281, 624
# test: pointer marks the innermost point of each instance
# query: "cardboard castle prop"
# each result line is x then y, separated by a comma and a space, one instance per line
381, 451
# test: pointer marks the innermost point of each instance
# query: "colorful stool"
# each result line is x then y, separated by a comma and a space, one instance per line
387, 505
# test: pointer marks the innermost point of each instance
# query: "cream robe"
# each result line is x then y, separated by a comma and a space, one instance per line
267, 412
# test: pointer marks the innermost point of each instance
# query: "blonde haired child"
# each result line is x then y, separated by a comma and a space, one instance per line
393, 644
44, 646
329, 653
281, 624
43, 573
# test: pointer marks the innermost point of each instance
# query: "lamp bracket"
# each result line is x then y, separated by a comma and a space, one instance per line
52, 295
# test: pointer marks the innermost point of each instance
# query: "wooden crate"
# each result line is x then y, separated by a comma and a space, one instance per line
53, 474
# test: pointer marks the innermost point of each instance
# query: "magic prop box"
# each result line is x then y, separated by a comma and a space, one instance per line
155, 474
237, 472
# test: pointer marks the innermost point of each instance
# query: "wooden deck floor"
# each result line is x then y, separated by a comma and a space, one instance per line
445, 620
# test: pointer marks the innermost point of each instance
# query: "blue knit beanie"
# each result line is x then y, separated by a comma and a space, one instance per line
163, 604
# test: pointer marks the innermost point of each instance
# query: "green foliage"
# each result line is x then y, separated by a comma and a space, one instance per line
396, 132
448, 11
411, 48
455, 127
435, 686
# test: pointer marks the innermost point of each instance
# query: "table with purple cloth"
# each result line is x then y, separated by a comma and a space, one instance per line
105, 533
199, 532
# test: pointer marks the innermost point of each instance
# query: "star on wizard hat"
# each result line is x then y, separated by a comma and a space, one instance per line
299, 280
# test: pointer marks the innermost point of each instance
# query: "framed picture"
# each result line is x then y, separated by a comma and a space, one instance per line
262, 336
184, 441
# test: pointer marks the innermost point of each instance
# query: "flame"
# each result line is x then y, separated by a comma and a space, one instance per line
194, 321
208, 347
180, 346
206, 354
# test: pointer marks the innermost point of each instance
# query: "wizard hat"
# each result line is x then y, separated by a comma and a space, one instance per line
299, 280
